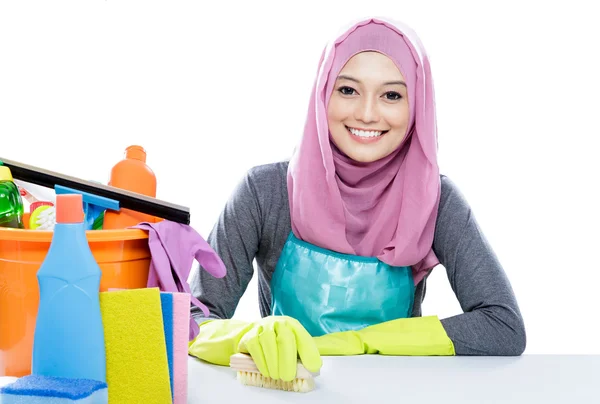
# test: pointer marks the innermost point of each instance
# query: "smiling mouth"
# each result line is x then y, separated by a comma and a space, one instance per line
366, 134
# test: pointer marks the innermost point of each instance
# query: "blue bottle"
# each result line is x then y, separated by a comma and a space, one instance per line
69, 335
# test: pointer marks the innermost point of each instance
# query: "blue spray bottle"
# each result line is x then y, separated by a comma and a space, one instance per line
69, 336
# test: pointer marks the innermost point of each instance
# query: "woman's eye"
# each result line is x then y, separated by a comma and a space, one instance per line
346, 90
393, 96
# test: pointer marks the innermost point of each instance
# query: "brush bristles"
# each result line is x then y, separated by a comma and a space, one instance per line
258, 380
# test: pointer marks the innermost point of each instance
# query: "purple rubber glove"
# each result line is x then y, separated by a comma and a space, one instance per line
174, 246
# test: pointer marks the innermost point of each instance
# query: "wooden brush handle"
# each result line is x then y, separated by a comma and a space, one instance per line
244, 363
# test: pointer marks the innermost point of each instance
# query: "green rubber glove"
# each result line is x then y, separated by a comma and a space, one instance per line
417, 336
274, 342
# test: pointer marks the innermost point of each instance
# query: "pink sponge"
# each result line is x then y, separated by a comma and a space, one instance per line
181, 327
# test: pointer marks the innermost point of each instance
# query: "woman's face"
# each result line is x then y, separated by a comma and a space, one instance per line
368, 112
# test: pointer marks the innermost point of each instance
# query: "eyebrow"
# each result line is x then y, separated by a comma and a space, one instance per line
388, 83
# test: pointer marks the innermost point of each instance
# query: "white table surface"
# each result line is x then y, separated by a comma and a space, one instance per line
368, 379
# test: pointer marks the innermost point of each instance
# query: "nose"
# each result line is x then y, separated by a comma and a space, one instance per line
367, 110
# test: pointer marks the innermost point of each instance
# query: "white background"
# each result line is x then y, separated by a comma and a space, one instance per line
213, 88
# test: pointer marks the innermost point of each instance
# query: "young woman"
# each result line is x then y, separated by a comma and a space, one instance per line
346, 232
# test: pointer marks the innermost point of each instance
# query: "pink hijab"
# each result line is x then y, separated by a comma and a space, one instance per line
385, 209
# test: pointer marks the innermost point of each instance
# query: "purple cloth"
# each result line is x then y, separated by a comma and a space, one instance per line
173, 247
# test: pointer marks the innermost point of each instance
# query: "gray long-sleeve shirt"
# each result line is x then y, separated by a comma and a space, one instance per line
255, 224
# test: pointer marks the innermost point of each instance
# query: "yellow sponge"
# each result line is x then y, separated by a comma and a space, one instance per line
137, 370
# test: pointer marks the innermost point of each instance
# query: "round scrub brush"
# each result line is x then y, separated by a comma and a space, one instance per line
43, 217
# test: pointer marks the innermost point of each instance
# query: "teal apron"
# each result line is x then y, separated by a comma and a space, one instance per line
329, 292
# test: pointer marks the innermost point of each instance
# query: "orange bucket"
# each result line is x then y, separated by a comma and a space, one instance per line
123, 256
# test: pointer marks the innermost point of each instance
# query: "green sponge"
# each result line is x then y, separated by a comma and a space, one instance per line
137, 369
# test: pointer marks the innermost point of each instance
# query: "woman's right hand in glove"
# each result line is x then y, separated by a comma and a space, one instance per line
274, 342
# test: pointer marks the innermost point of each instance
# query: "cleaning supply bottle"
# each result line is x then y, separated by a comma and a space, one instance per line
69, 335
132, 174
11, 203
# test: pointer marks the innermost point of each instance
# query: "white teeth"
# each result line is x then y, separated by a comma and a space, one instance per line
365, 133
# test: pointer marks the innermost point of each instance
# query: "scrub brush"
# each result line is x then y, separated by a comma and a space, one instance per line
249, 375
43, 217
